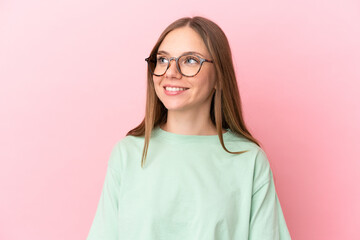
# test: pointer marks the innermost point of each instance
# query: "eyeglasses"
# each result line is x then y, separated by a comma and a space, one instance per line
187, 65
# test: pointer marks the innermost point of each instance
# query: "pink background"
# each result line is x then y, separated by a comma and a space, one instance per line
73, 79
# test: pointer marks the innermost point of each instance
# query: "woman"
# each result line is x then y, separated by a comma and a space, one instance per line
202, 174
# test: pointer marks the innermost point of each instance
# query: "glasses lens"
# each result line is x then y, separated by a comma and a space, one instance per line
159, 65
152, 63
189, 64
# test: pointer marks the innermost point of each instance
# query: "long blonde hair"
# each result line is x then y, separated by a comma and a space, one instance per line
225, 110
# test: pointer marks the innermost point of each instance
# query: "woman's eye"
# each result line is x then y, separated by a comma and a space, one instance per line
161, 59
191, 60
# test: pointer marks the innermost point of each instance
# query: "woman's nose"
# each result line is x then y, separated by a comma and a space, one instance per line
172, 71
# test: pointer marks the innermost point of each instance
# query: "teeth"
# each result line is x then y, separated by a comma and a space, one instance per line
174, 89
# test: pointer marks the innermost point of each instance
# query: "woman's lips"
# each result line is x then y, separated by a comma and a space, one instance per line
172, 93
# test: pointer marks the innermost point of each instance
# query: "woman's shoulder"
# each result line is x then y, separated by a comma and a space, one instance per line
236, 140
126, 142
255, 152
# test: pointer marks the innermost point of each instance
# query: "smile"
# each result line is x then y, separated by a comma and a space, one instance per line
171, 91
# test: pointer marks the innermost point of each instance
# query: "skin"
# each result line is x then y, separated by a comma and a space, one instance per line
189, 112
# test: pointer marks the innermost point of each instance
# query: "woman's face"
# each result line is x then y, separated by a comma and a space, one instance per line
200, 87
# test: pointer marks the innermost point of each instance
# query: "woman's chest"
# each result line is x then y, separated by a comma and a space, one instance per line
185, 194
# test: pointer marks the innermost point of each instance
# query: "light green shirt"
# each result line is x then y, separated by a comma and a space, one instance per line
189, 189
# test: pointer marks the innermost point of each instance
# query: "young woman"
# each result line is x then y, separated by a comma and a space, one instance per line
191, 169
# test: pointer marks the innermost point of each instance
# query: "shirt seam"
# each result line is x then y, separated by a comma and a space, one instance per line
263, 184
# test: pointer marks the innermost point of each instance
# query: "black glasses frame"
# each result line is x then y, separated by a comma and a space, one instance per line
202, 60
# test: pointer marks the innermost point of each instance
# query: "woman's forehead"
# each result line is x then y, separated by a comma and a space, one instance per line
182, 40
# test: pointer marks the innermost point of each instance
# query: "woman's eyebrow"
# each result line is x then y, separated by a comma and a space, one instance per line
189, 52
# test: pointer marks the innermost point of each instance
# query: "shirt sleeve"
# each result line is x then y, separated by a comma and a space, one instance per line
267, 221
105, 222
